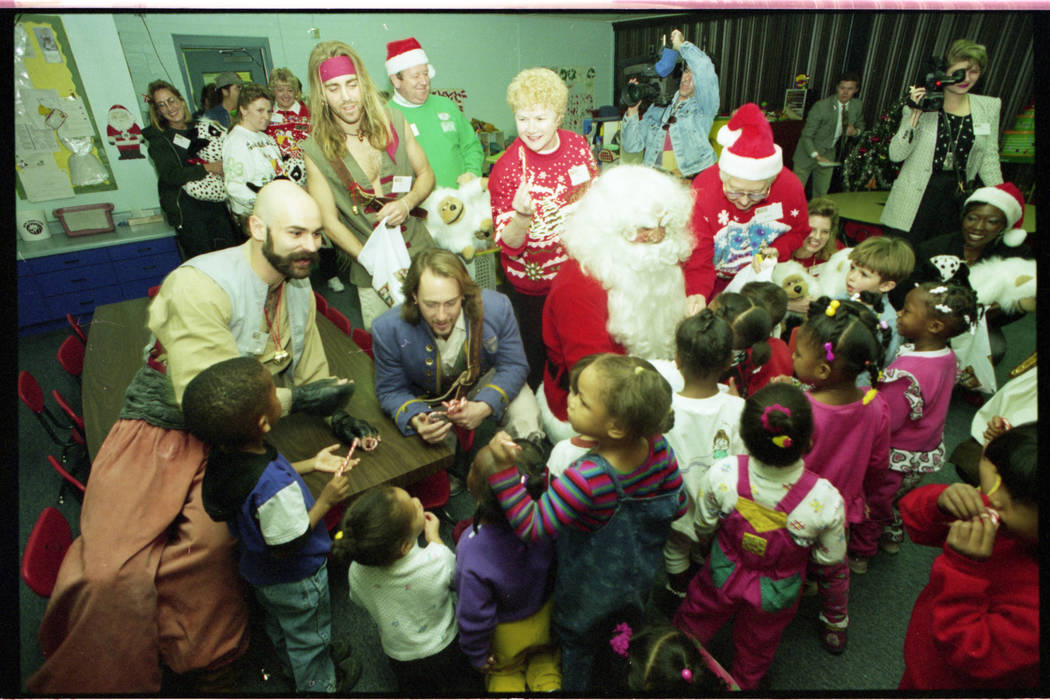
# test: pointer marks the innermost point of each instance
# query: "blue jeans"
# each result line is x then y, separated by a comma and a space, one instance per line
299, 622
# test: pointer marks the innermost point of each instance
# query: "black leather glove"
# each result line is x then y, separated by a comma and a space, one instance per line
346, 427
321, 398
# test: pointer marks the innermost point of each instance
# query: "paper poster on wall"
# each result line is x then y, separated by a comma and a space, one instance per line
58, 151
580, 81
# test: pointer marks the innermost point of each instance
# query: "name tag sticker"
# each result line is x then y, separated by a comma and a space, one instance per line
257, 344
579, 174
770, 212
402, 183
181, 141
982, 129
415, 129
277, 118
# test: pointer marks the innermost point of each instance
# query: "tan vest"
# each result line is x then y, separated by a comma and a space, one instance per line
356, 217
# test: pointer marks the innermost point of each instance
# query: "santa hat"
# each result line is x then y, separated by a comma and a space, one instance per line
1009, 200
405, 53
748, 150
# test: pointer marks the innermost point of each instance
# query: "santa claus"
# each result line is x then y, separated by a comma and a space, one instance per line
124, 133
622, 289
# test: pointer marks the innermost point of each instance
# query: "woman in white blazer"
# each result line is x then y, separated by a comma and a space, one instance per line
957, 143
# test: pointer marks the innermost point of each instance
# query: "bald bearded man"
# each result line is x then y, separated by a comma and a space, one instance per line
152, 578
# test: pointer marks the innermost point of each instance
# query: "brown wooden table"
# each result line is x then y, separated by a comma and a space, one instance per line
866, 207
116, 342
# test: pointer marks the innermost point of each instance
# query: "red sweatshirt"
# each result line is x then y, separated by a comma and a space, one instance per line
976, 624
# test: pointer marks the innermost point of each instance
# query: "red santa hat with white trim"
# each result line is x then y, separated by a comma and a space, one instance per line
1009, 200
404, 54
748, 151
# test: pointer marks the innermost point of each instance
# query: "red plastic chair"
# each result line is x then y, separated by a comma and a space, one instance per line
363, 340
322, 304
71, 355
64, 473
341, 321
33, 397
78, 421
77, 328
46, 548
432, 491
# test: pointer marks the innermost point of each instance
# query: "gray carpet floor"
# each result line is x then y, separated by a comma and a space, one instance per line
880, 600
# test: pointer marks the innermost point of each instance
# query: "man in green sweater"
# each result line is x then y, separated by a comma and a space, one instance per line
452, 147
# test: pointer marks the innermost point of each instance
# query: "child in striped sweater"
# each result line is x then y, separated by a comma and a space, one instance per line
611, 510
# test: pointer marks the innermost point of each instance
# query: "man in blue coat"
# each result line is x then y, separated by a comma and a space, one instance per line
450, 356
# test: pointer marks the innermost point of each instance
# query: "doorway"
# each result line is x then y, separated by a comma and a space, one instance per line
202, 58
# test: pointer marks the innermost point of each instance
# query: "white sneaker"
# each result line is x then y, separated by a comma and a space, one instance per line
336, 285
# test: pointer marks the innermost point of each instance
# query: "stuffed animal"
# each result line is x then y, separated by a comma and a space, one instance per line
459, 217
794, 279
1009, 282
833, 274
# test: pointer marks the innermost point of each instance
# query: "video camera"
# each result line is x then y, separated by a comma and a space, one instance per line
633, 93
935, 82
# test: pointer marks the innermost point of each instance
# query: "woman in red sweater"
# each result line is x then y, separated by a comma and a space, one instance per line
533, 186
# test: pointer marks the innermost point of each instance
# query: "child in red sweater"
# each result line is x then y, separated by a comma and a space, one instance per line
976, 624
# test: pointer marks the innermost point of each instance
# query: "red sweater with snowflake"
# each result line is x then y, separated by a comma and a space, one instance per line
727, 237
556, 181
976, 624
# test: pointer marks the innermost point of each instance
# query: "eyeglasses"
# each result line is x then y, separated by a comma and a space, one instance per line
174, 101
751, 196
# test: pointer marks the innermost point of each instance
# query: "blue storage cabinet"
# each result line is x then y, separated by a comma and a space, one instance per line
50, 286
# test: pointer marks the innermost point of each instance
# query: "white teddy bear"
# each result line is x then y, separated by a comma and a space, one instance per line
457, 218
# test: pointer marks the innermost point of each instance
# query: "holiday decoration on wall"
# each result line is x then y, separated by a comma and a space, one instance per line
868, 165
124, 133
580, 81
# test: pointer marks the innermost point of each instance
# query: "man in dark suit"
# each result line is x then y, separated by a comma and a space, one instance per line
829, 123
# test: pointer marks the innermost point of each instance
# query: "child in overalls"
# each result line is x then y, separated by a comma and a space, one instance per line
611, 510
771, 515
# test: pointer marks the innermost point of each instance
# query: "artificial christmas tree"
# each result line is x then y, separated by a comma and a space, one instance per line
868, 165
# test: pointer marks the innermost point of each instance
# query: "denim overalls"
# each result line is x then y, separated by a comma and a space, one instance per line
607, 570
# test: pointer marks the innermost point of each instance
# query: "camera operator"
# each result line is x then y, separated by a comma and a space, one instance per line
943, 150
674, 136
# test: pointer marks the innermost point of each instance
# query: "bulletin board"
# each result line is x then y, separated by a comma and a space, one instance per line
580, 81
57, 146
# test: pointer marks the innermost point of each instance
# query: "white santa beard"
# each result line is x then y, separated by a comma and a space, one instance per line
646, 301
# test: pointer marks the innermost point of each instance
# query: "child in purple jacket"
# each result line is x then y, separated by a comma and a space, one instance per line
505, 586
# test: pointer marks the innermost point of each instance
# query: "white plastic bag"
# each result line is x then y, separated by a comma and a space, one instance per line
748, 274
385, 257
973, 356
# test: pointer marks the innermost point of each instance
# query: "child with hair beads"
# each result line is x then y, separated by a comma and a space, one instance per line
976, 623
611, 510
751, 326
706, 428
504, 587
917, 387
773, 299
661, 660
772, 516
406, 589
261, 496
851, 437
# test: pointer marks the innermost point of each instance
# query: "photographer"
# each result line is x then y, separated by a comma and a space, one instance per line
674, 136
943, 150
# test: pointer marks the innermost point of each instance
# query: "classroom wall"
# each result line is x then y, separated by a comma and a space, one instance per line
119, 54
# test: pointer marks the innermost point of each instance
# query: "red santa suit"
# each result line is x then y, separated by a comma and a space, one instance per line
622, 288
124, 133
728, 237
